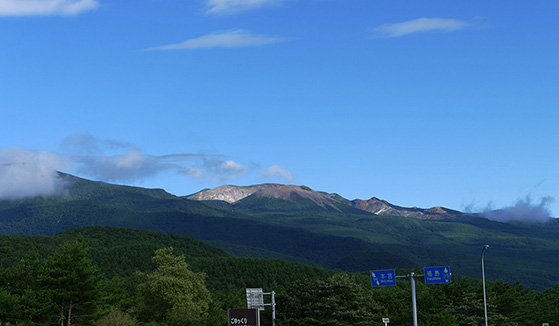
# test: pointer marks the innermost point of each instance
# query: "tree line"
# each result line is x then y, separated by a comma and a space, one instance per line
66, 287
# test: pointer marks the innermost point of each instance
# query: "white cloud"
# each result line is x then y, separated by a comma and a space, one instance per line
235, 6
421, 25
223, 39
277, 171
26, 174
30, 173
35, 173
45, 7
216, 169
522, 210
232, 167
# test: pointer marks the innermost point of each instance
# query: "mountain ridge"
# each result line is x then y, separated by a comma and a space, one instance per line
329, 201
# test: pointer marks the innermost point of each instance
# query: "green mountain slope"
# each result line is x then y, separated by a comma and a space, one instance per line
96, 203
527, 253
301, 225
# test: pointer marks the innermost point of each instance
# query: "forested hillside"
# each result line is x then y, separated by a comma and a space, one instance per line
119, 284
294, 226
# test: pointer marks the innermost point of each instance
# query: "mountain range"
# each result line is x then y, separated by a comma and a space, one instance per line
297, 223
333, 202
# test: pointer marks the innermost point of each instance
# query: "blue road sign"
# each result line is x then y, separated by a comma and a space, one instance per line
383, 278
437, 275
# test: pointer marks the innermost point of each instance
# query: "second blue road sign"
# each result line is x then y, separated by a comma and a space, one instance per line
436, 275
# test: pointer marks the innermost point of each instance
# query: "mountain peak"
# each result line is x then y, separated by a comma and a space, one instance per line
229, 193
333, 202
233, 194
288, 193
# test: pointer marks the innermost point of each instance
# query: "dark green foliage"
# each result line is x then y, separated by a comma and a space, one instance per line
546, 306
172, 293
296, 204
335, 301
360, 261
121, 252
26, 299
117, 317
63, 289
295, 242
74, 284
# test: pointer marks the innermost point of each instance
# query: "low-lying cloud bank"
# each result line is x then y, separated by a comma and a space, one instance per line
523, 210
35, 173
29, 174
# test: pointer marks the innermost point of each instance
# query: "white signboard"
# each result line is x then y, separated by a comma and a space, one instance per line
255, 298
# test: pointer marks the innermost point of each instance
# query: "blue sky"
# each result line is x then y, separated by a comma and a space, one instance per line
431, 103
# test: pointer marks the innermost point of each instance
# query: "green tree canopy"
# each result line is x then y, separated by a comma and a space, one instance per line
336, 301
74, 284
172, 293
22, 297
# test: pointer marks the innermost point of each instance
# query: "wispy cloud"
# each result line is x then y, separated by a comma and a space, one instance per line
46, 7
130, 166
86, 143
224, 39
277, 171
422, 25
228, 7
34, 173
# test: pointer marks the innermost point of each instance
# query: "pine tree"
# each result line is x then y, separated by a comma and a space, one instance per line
74, 284
23, 300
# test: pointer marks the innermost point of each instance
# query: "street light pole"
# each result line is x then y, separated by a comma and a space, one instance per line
413, 299
483, 279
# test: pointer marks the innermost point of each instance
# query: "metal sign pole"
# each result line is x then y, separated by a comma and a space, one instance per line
273, 308
433, 275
